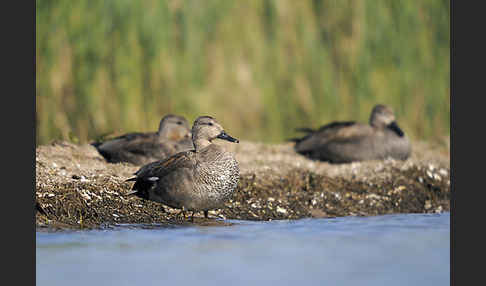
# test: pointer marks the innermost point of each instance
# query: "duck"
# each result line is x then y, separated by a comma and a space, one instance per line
200, 179
350, 141
173, 136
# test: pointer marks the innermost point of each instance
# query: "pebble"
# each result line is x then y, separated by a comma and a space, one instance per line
373, 196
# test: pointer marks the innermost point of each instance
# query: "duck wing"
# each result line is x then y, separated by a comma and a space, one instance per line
304, 130
149, 174
322, 130
136, 135
123, 138
149, 148
121, 142
162, 168
132, 147
336, 125
339, 132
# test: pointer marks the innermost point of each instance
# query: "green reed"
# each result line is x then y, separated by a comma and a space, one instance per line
262, 68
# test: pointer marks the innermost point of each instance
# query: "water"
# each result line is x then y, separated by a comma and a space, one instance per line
405, 249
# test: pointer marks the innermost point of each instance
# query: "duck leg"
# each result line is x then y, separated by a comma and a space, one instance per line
206, 214
183, 212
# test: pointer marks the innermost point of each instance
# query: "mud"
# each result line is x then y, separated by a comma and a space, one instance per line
76, 188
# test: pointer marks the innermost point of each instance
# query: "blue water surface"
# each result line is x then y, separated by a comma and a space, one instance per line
402, 249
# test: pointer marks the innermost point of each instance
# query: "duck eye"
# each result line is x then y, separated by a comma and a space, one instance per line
179, 122
210, 124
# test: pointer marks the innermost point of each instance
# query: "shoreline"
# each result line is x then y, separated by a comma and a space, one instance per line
77, 189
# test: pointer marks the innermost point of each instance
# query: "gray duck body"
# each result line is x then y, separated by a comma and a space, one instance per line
196, 180
344, 142
172, 137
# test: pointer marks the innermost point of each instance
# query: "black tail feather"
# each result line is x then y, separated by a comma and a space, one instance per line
141, 188
296, 140
301, 129
96, 144
39, 208
305, 129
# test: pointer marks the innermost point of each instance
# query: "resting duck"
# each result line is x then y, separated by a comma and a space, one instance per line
173, 136
344, 142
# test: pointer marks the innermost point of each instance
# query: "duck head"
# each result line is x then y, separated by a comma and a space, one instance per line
382, 116
173, 127
206, 129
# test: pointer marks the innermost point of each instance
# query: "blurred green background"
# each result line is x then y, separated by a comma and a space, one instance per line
262, 68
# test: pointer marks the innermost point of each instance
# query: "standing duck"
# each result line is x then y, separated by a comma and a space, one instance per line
344, 142
197, 180
174, 135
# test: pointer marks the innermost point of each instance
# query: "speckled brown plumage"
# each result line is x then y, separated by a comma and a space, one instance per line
199, 179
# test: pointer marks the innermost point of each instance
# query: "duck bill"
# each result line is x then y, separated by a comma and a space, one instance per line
225, 136
394, 126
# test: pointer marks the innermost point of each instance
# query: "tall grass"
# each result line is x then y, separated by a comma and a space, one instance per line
261, 68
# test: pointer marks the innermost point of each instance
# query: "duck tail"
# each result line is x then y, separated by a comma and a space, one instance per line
131, 193
136, 187
296, 140
131, 179
305, 129
301, 129
96, 144
39, 208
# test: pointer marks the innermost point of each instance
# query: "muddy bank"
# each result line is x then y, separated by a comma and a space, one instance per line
77, 188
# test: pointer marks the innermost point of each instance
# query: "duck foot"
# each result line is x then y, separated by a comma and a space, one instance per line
183, 213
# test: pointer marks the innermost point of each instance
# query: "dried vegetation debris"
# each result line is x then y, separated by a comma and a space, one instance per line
77, 188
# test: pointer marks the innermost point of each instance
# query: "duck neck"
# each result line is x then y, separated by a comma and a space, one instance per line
200, 144
170, 134
377, 123
163, 133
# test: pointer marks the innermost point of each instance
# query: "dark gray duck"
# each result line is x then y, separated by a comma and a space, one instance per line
344, 142
197, 180
173, 136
